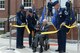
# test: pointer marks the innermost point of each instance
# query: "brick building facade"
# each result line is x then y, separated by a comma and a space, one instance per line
39, 4
14, 6
77, 5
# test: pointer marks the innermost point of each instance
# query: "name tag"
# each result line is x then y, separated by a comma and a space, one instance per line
60, 13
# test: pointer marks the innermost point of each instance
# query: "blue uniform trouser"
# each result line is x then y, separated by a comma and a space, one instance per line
20, 33
50, 12
62, 38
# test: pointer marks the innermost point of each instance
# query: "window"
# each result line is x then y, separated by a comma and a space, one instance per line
1, 26
27, 3
63, 2
2, 4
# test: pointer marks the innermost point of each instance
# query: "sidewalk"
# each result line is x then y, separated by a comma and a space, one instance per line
4, 44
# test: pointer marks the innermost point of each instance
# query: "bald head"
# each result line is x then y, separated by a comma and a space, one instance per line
45, 22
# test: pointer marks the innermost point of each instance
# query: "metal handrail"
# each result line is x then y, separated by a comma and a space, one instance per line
12, 19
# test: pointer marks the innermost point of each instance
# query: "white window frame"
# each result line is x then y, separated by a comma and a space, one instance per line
4, 5
26, 7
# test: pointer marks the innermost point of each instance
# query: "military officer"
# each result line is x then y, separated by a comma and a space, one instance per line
21, 19
32, 21
50, 8
61, 18
69, 6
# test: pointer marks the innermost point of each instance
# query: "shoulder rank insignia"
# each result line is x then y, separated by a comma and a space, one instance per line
66, 13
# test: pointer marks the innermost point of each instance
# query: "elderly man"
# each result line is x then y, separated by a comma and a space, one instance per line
41, 38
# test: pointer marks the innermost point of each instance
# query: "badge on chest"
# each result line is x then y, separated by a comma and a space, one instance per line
60, 14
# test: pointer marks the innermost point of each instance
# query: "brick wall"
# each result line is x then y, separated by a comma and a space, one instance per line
4, 13
15, 4
13, 7
77, 5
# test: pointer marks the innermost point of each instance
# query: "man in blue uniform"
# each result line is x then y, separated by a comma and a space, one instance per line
69, 6
21, 19
61, 18
32, 21
50, 8
70, 11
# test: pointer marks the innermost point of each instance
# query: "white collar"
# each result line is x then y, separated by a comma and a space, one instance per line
59, 9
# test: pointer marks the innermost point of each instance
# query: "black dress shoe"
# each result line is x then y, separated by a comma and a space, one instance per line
23, 46
19, 47
56, 50
41, 50
34, 49
61, 52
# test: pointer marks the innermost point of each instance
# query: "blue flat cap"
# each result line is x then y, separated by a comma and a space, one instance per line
56, 2
22, 7
30, 10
